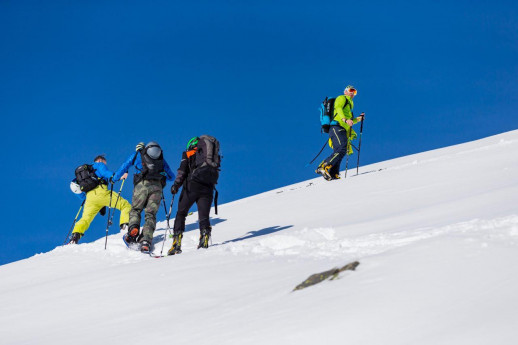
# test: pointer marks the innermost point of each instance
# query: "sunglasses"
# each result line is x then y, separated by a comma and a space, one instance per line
353, 91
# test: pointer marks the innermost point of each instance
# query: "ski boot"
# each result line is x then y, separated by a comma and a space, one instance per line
145, 247
204, 238
131, 236
176, 248
324, 171
76, 236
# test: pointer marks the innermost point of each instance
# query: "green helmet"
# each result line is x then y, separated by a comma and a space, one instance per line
192, 143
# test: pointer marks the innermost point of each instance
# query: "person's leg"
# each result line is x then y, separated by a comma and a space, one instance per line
204, 204
122, 205
184, 204
94, 202
338, 137
152, 206
138, 202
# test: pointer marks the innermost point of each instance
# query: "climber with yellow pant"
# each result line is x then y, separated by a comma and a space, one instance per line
91, 185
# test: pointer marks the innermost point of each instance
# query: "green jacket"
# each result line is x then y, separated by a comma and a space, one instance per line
344, 110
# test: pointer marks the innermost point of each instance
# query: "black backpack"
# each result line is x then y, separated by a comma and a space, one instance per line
207, 161
152, 169
86, 177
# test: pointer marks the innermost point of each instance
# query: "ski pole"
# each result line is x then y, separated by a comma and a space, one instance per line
75, 219
170, 209
110, 217
116, 202
347, 151
168, 215
322, 149
109, 212
360, 144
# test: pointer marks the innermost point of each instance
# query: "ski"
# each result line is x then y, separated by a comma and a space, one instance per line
136, 247
133, 246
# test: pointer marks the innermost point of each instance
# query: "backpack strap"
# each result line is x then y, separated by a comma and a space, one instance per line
135, 158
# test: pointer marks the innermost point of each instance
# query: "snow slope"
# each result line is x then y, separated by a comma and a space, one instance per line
436, 235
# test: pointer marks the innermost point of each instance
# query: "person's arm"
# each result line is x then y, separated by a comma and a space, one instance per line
183, 170
102, 171
169, 173
359, 118
181, 174
138, 164
124, 168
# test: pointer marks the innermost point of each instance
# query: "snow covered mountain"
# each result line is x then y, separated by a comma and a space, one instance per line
436, 235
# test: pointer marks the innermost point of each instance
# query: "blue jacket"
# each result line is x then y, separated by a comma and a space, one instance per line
168, 173
102, 171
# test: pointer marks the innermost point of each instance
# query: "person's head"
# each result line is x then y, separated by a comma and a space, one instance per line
192, 143
153, 150
100, 159
350, 91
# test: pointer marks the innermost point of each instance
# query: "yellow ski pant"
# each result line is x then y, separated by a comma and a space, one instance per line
95, 200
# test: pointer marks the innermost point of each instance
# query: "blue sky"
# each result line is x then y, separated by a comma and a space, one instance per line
87, 77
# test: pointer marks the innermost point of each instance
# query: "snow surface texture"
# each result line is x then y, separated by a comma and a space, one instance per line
436, 235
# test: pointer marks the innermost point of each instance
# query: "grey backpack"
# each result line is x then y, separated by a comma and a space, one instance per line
207, 161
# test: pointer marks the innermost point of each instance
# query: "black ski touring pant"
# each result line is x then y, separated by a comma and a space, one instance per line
194, 192
338, 136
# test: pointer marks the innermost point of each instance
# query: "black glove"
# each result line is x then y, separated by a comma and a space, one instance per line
140, 146
102, 211
174, 188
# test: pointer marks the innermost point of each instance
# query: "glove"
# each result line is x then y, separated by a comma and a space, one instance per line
174, 189
102, 211
140, 146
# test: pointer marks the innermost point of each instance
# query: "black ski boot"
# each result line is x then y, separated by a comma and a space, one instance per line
145, 247
131, 236
204, 238
176, 248
76, 236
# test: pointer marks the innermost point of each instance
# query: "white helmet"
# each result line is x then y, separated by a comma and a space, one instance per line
75, 188
351, 90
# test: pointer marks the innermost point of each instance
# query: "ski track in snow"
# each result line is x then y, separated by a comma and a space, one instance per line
314, 243
325, 242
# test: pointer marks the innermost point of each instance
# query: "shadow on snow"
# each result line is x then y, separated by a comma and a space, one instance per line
262, 232
188, 227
